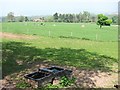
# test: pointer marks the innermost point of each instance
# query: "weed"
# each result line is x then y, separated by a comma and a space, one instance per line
22, 85
65, 81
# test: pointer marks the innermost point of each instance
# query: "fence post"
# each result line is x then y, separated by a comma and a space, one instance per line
71, 34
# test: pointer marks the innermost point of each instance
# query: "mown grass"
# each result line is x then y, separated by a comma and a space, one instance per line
90, 31
83, 54
14, 51
103, 48
60, 48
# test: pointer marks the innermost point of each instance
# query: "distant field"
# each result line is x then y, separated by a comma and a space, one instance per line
64, 30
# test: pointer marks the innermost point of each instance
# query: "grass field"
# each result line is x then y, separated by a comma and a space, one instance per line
64, 30
64, 44
90, 37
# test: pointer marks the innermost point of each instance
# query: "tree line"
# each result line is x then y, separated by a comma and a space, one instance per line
82, 17
70, 18
12, 18
85, 17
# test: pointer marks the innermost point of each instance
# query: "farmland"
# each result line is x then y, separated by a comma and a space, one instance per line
81, 45
90, 37
89, 31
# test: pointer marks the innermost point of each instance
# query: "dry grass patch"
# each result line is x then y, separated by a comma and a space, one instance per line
16, 36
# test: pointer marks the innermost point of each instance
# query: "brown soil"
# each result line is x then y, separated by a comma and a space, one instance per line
15, 36
84, 78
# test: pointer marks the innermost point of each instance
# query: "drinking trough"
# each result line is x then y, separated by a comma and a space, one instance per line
47, 75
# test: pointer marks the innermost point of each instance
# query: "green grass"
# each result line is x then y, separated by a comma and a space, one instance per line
26, 52
90, 31
73, 51
103, 48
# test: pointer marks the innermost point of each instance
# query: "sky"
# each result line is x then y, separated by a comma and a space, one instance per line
49, 7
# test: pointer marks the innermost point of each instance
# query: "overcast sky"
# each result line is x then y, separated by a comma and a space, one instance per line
49, 7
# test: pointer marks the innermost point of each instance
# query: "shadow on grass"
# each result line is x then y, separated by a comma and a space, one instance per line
17, 56
70, 37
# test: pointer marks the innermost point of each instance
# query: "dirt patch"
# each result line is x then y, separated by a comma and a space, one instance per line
16, 36
84, 78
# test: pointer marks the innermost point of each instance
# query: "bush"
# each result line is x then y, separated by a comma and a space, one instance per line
22, 85
65, 81
108, 21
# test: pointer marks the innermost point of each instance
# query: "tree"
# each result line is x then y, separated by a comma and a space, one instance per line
49, 18
21, 19
93, 18
78, 17
66, 18
60, 18
103, 20
10, 17
115, 19
70, 17
81, 17
55, 17
26, 19
108, 22
86, 16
